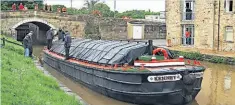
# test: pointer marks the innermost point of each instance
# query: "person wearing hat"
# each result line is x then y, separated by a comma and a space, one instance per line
67, 44
28, 44
49, 35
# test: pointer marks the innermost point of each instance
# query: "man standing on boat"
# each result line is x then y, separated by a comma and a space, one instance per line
67, 44
61, 34
49, 36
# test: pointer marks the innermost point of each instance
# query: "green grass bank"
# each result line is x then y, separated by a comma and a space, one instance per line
23, 84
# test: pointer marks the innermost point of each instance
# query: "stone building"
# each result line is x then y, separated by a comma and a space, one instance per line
209, 24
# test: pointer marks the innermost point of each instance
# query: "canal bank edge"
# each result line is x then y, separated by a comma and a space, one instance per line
204, 57
62, 86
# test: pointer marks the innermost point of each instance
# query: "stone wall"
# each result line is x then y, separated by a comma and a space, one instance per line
226, 19
173, 21
154, 30
77, 25
205, 24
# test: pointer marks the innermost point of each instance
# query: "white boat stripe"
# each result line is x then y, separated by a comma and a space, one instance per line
160, 64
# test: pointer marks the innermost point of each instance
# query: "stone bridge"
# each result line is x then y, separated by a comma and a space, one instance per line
19, 24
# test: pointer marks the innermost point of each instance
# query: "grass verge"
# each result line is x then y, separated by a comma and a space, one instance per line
24, 84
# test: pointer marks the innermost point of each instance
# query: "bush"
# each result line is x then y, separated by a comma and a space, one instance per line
191, 55
215, 59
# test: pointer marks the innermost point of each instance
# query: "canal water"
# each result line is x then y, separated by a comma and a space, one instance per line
218, 86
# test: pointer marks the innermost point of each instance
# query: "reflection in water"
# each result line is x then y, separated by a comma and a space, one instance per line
218, 86
227, 82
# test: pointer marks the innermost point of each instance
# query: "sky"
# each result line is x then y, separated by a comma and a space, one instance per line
121, 5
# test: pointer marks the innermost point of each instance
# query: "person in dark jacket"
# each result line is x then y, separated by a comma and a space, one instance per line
67, 44
49, 35
25, 44
61, 34
28, 43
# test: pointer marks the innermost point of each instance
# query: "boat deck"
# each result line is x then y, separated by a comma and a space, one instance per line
110, 67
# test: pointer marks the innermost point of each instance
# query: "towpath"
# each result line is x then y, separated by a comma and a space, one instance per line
162, 43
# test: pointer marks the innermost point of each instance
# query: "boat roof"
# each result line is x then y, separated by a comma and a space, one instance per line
103, 51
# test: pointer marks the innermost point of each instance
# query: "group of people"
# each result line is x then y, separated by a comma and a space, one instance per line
62, 36
21, 7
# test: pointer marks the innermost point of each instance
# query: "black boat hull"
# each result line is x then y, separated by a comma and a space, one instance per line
125, 86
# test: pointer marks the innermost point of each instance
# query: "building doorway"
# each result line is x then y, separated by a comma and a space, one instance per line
188, 34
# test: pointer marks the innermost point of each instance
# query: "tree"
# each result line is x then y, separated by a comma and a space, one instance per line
136, 14
104, 9
90, 4
54, 7
5, 6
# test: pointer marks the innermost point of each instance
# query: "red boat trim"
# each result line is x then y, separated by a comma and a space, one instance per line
108, 67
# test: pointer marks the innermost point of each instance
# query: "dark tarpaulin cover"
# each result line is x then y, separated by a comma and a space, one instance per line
103, 51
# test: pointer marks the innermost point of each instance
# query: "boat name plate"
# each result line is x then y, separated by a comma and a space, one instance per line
162, 78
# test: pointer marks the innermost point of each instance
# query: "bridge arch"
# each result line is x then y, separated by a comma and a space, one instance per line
33, 20
38, 26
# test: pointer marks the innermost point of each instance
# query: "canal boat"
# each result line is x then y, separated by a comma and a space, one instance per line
130, 71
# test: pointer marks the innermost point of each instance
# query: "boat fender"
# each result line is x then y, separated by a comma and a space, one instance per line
188, 79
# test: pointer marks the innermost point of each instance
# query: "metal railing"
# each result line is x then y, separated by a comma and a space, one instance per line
181, 41
188, 16
4, 40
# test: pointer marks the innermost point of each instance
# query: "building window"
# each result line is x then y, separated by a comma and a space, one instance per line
228, 5
188, 9
188, 34
229, 34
